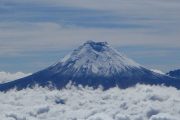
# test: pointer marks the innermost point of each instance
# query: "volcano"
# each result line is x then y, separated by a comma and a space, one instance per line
93, 64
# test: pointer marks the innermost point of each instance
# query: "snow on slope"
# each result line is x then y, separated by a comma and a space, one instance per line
136, 103
7, 76
96, 57
158, 71
94, 64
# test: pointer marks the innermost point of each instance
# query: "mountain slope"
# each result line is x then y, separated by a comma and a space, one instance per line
94, 59
175, 73
93, 64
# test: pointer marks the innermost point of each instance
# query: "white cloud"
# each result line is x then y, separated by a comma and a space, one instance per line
136, 103
162, 117
7, 76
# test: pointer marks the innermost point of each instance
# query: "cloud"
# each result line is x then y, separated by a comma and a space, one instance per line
61, 22
137, 103
33, 40
162, 117
6, 76
50, 36
34, 26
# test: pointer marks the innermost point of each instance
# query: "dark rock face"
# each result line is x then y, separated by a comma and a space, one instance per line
93, 64
175, 73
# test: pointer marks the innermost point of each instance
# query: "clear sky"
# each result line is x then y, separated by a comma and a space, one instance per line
37, 33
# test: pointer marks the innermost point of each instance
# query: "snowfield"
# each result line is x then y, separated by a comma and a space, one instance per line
76, 103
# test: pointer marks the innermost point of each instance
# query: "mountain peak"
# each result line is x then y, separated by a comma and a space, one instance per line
97, 46
91, 42
93, 64
95, 58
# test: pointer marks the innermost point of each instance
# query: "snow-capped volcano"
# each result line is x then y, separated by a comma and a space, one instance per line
97, 58
93, 64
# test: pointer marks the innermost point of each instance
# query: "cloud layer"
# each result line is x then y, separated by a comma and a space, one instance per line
28, 27
137, 103
7, 76
43, 23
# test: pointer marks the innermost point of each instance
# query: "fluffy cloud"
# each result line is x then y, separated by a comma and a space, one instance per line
76, 103
6, 76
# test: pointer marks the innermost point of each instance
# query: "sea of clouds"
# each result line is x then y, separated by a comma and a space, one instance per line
7, 76
141, 102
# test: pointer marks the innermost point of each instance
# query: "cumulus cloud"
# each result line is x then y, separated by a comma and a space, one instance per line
77, 103
7, 76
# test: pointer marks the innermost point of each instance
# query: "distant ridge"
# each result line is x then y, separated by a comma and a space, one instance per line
175, 73
93, 64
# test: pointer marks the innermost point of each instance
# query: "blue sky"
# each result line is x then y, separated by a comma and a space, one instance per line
36, 33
